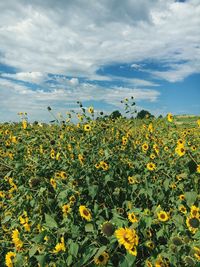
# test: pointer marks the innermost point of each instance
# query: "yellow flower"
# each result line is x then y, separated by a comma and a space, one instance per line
102, 259
127, 237
145, 147
198, 122
53, 183
63, 175
180, 150
91, 110
24, 124
87, 127
151, 166
66, 209
150, 244
132, 180
194, 211
16, 240
148, 263
133, 251
182, 209
160, 262
60, 246
197, 251
9, 258
181, 197
169, 117
132, 218
85, 213
198, 168
192, 223
104, 165
162, 216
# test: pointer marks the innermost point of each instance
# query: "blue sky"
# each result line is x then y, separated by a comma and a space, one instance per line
55, 53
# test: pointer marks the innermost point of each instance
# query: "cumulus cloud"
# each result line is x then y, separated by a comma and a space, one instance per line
74, 37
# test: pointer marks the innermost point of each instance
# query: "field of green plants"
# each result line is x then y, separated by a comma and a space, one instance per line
105, 192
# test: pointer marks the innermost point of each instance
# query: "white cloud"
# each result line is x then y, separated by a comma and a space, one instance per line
33, 77
15, 97
76, 37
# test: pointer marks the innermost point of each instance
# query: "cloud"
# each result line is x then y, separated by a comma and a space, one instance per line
33, 77
76, 38
15, 96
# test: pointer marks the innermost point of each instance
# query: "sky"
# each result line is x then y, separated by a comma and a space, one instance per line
55, 53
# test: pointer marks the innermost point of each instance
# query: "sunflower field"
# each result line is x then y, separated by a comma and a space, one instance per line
100, 192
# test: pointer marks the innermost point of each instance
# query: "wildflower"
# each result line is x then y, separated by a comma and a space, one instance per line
87, 127
192, 223
132, 180
180, 151
181, 197
151, 166
194, 211
145, 147
150, 244
169, 117
91, 110
53, 183
182, 209
66, 209
60, 246
162, 216
198, 168
102, 259
9, 258
85, 213
132, 218
63, 175
197, 253
152, 156
16, 239
127, 237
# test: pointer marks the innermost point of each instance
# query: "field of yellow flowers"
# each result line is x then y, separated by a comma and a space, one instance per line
105, 192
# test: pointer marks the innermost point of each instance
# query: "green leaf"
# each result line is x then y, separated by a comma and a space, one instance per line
41, 260
89, 227
74, 249
6, 219
50, 222
100, 251
19, 260
166, 184
39, 238
190, 197
69, 260
33, 250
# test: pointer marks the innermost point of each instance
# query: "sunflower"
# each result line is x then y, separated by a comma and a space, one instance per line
192, 223
127, 237
102, 259
169, 117
132, 218
182, 197
197, 253
91, 110
162, 216
182, 209
148, 263
133, 251
194, 211
16, 239
9, 258
132, 180
104, 165
60, 246
66, 209
85, 213
161, 262
53, 183
145, 147
151, 166
180, 151
87, 127
152, 156
198, 168
63, 175
150, 244
124, 140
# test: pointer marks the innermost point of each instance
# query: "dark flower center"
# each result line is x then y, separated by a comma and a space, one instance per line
194, 222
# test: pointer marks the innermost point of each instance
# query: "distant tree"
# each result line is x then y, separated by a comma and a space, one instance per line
144, 114
115, 114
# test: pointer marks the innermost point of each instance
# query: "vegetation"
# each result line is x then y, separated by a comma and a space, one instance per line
112, 192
